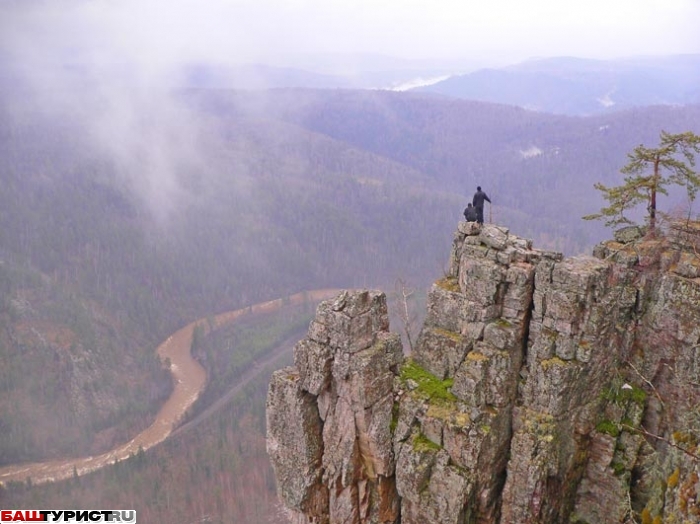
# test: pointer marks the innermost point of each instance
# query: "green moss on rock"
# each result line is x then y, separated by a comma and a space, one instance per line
394, 417
456, 337
422, 444
621, 394
429, 387
608, 427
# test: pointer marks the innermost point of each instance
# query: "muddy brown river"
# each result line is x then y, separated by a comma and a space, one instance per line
189, 380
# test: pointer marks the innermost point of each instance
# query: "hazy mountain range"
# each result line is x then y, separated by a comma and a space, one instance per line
581, 87
564, 85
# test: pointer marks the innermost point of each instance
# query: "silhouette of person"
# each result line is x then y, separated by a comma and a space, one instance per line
478, 202
470, 213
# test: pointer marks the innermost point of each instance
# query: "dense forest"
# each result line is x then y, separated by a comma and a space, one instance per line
125, 215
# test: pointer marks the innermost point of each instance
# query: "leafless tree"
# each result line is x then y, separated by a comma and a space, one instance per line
406, 313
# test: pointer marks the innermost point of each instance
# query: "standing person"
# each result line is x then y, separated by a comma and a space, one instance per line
478, 202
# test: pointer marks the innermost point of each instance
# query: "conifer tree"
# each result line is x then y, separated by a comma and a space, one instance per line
649, 172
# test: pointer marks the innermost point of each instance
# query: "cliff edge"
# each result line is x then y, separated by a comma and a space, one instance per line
540, 390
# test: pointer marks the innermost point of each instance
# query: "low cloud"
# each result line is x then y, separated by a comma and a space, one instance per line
76, 62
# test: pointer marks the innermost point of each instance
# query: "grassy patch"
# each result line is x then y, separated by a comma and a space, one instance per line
394, 417
618, 468
554, 361
449, 284
429, 386
621, 395
476, 356
421, 443
456, 337
608, 427
442, 410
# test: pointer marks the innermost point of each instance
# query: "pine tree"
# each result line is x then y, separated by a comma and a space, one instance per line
649, 172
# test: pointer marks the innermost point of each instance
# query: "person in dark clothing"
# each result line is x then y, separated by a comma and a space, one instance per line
470, 213
478, 202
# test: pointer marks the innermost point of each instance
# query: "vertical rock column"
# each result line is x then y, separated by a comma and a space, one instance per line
329, 416
661, 479
580, 327
474, 335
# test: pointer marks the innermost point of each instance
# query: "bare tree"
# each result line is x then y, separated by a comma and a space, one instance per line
406, 313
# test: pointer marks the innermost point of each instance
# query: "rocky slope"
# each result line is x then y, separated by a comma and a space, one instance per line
540, 390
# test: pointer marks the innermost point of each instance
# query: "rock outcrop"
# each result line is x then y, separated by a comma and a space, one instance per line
329, 416
539, 390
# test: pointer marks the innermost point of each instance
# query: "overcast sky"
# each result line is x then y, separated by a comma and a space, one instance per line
159, 33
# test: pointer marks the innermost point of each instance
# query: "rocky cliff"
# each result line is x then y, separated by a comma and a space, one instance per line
539, 390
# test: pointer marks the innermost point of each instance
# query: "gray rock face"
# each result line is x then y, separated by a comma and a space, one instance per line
295, 444
329, 417
629, 234
540, 390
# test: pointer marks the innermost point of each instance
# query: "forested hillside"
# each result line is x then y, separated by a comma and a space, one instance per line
124, 215
539, 168
74, 379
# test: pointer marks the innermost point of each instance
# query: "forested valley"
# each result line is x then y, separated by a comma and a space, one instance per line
124, 216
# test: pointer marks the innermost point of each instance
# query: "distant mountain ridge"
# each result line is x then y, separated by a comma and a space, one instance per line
576, 86
560, 85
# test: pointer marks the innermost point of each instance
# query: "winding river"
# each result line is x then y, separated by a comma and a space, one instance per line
189, 378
